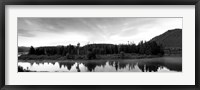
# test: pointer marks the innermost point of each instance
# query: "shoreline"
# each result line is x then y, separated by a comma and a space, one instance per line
84, 58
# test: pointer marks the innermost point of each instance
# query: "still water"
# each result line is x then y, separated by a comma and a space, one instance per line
164, 64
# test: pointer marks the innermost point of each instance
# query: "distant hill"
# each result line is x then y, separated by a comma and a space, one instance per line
23, 49
170, 39
99, 45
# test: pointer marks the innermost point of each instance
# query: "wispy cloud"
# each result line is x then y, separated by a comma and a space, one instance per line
56, 31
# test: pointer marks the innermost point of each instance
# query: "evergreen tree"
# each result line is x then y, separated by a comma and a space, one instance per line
31, 51
78, 46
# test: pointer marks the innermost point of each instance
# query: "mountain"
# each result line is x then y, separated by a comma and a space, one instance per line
170, 39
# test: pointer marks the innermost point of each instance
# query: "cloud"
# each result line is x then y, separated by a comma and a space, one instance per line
99, 29
25, 33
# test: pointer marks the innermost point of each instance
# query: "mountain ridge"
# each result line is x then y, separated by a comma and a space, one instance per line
169, 39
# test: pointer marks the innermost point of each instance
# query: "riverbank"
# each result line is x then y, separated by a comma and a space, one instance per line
84, 57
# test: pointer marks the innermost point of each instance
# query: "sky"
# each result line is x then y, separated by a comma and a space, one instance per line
43, 31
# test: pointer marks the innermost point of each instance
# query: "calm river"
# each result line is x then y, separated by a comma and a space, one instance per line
163, 64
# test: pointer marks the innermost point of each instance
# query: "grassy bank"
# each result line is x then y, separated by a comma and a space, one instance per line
84, 57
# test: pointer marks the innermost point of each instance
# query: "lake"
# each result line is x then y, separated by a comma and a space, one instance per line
162, 64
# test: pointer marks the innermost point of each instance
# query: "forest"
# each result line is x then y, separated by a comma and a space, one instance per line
95, 51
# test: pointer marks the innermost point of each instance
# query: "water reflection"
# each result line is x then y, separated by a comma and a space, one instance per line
149, 65
66, 64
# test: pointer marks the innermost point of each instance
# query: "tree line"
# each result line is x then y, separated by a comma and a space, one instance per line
147, 48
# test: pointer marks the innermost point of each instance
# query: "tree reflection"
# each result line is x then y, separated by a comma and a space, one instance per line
53, 63
122, 65
132, 65
31, 63
78, 69
66, 64
92, 65
145, 65
111, 63
149, 67
173, 67
116, 65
